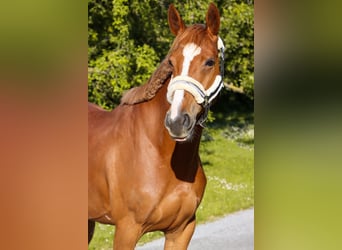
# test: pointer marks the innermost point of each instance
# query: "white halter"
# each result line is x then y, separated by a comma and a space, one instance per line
202, 96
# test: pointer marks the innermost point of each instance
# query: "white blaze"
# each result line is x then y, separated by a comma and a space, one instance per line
176, 103
189, 52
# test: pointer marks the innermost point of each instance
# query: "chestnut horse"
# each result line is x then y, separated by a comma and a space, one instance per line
144, 170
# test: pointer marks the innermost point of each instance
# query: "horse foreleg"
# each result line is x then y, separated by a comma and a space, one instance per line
180, 240
126, 236
91, 227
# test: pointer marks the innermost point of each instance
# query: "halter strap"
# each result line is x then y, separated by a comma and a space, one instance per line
195, 88
191, 85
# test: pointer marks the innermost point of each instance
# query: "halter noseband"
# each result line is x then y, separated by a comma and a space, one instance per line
202, 96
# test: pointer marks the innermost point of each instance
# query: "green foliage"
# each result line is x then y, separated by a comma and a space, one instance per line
128, 38
237, 31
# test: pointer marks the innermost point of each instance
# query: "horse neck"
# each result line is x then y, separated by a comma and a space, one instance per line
183, 155
185, 158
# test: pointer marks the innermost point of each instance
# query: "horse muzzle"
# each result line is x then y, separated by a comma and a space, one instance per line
180, 127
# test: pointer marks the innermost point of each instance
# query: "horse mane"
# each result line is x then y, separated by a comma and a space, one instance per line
147, 91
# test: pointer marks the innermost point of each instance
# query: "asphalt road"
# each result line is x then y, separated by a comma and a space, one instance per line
233, 232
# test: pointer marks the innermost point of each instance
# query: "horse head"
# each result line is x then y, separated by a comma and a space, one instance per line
196, 78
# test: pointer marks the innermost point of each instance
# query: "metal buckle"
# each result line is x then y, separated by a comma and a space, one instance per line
202, 119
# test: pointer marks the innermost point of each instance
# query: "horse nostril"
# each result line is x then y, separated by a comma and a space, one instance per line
168, 120
186, 120
180, 122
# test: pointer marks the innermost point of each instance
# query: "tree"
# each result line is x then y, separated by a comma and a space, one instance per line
128, 38
237, 31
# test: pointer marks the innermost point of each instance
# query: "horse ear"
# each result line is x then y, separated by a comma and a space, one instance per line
213, 19
175, 21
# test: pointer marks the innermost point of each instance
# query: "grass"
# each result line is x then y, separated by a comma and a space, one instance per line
227, 153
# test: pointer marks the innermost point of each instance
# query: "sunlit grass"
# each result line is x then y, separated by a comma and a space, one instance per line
230, 177
103, 237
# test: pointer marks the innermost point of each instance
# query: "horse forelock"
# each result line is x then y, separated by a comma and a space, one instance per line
196, 34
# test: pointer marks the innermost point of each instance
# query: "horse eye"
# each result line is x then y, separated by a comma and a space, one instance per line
210, 63
170, 63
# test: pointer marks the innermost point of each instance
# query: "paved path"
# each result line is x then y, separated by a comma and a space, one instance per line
233, 232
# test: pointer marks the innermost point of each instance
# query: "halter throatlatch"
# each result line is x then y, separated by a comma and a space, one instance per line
196, 89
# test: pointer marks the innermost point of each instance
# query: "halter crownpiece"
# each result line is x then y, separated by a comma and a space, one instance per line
189, 84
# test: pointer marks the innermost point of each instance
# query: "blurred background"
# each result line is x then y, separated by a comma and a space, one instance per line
298, 125
43, 124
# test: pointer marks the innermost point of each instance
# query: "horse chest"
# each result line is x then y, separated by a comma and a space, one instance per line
175, 207
182, 200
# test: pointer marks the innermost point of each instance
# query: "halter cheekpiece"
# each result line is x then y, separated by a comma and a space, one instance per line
202, 96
